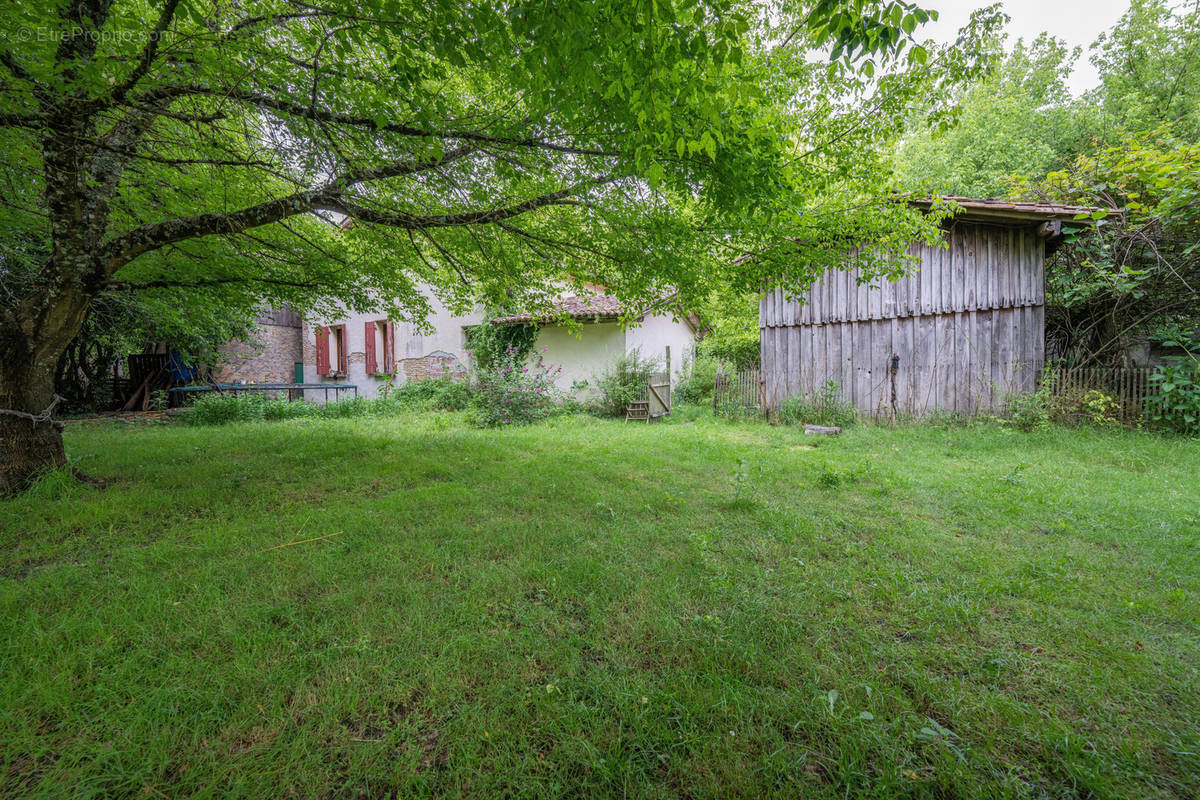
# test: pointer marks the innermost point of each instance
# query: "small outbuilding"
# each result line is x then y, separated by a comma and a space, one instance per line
958, 334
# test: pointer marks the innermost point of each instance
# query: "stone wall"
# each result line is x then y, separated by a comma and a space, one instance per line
435, 365
269, 358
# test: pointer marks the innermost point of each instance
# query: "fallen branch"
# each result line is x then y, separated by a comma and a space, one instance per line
822, 429
303, 541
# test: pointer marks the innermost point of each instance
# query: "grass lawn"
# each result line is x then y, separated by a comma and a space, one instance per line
586, 608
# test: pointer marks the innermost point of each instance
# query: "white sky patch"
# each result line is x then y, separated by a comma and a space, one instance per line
1078, 22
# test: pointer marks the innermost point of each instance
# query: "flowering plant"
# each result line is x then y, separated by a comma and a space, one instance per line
513, 391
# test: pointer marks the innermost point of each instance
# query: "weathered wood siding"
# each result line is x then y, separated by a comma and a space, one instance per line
967, 327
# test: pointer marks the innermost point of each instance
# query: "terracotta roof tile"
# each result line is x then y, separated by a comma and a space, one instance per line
604, 306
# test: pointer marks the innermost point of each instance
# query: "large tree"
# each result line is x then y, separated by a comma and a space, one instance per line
1019, 120
482, 149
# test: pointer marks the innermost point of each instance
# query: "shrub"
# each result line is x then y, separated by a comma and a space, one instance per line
1051, 404
511, 391
827, 408
626, 381
491, 344
740, 352
696, 380
444, 394
220, 409
1099, 409
283, 409
1176, 404
736, 411
1031, 411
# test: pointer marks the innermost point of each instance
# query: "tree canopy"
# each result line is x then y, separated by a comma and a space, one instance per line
483, 151
1130, 142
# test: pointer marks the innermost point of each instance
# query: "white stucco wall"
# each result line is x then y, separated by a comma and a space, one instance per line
590, 351
584, 353
656, 334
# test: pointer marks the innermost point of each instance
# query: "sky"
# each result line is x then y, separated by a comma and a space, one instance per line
1079, 22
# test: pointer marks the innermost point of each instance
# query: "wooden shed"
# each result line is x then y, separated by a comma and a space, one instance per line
958, 334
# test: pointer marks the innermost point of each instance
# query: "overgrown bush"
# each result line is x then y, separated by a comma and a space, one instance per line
734, 410
625, 381
443, 394
1051, 404
826, 408
1030, 411
696, 380
1176, 403
217, 408
512, 391
221, 409
490, 344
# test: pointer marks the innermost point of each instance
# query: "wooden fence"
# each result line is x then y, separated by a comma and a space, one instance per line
1128, 386
740, 391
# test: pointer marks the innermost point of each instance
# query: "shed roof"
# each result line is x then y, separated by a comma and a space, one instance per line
987, 209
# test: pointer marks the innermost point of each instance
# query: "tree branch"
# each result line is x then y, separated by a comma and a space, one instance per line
123, 249
399, 219
308, 112
148, 54
126, 286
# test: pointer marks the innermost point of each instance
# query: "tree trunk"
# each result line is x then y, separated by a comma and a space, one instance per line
30, 347
27, 447
28, 450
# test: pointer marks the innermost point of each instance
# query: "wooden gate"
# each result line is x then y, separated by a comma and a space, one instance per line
655, 403
659, 394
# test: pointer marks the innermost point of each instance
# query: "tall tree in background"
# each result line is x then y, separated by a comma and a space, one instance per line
1019, 120
1149, 66
1130, 142
480, 147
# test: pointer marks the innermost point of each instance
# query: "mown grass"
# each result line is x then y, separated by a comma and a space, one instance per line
587, 608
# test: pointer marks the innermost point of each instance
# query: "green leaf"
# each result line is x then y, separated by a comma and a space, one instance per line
654, 175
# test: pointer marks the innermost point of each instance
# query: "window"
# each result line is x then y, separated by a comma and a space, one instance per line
332, 350
379, 345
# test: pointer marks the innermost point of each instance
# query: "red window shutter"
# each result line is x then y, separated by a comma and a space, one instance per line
343, 349
389, 348
369, 346
322, 351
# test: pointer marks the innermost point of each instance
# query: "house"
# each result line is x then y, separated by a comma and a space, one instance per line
367, 350
599, 338
957, 335
272, 355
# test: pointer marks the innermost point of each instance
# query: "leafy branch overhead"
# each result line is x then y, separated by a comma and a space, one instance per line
484, 151
583, 126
